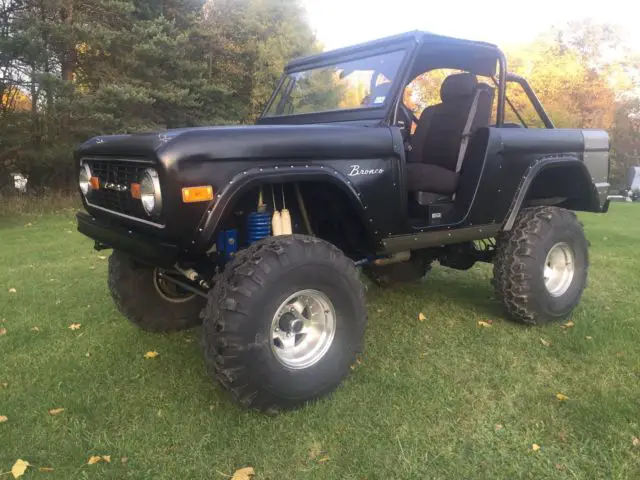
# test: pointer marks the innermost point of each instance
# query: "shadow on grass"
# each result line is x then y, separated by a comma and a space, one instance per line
444, 288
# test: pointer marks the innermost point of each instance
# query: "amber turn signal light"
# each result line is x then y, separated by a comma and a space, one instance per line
197, 194
135, 190
95, 183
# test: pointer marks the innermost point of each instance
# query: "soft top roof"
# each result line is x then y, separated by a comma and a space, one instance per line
387, 43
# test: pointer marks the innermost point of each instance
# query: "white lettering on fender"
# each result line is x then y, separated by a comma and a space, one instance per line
356, 170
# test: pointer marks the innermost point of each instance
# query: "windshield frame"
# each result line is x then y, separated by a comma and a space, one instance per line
368, 113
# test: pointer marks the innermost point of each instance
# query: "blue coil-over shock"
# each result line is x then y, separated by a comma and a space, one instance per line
258, 226
258, 223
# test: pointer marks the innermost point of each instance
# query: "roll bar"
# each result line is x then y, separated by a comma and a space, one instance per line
533, 98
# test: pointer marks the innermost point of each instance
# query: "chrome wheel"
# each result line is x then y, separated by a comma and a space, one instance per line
169, 290
559, 269
302, 329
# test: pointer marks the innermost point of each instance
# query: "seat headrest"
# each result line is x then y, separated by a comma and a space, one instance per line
458, 85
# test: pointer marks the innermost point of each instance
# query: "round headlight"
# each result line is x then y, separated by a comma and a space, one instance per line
84, 179
150, 192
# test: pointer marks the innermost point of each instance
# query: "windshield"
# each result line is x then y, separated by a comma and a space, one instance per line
362, 83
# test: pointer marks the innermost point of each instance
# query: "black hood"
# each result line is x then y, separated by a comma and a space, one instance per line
247, 142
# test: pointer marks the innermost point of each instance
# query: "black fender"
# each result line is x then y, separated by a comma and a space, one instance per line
588, 201
244, 181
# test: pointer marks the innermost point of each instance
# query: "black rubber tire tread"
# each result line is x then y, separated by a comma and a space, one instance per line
234, 340
133, 292
517, 264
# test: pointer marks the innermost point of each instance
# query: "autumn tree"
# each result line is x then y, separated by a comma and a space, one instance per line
71, 69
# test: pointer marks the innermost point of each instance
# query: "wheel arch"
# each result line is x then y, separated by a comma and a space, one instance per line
243, 183
560, 181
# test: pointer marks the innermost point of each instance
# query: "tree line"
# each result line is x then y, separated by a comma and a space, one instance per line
72, 69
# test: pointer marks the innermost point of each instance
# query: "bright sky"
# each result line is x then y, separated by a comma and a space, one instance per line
339, 23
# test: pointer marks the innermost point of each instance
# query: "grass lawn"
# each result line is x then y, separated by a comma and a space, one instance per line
442, 398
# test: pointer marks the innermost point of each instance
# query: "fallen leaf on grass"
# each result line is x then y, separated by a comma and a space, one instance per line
535, 447
124, 460
422, 317
561, 396
560, 467
3, 418
151, 355
75, 326
4, 385
499, 427
483, 324
55, 411
358, 362
45, 469
544, 342
19, 468
93, 459
569, 324
243, 474
315, 451
635, 441
12, 290
323, 460
35, 329
3, 331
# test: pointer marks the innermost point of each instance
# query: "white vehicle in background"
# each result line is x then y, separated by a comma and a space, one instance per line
20, 182
633, 183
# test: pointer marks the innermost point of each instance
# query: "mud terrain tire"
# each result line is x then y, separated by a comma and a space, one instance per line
524, 282
134, 292
240, 346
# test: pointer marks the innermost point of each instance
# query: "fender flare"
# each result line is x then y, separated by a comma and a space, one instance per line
247, 179
532, 173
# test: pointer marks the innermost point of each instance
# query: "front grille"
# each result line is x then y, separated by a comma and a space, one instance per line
116, 177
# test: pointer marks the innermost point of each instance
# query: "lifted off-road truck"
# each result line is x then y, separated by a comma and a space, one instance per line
258, 231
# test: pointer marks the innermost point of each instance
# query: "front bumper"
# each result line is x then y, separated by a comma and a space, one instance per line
142, 247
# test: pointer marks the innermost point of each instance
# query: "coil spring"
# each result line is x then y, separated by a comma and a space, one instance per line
258, 226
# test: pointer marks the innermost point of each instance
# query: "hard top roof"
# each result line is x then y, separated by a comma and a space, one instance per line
415, 37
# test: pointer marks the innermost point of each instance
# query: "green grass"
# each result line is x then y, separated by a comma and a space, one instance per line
13, 203
423, 403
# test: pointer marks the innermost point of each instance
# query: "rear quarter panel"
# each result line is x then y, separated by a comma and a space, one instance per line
516, 154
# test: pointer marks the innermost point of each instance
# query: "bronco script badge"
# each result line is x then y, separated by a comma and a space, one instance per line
356, 170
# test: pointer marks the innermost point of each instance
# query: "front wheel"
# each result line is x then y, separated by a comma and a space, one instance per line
540, 270
284, 322
149, 299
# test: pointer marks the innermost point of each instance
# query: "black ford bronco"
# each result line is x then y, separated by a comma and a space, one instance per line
258, 231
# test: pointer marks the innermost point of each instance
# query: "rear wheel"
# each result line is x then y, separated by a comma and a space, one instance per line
284, 322
148, 298
540, 270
